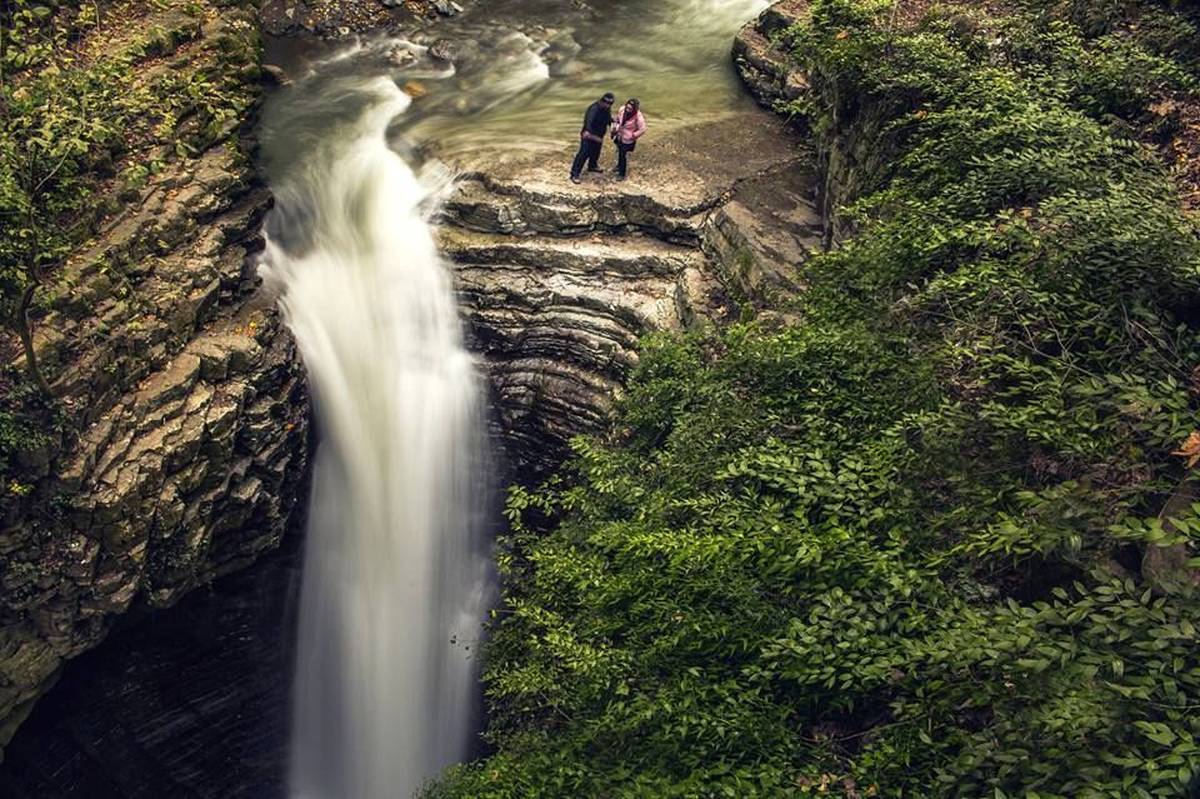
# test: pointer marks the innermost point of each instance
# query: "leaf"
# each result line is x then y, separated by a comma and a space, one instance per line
1190, 449
1157, 732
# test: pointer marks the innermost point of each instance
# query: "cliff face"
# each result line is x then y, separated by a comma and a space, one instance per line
555, 290
185, 450
851, 164
557, 282
764, 67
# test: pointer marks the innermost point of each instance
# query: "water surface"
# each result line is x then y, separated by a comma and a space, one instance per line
524, 71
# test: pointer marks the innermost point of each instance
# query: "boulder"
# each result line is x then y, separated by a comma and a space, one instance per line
1167, 568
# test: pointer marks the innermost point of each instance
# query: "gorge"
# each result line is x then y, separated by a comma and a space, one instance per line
555, 287
847, 448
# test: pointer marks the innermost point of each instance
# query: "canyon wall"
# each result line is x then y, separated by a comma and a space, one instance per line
183, 448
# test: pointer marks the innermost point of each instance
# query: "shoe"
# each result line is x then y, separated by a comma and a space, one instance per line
575, 179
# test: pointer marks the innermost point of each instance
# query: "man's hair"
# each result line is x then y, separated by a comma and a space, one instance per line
609, 97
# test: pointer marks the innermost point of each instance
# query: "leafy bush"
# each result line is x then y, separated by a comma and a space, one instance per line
895, 550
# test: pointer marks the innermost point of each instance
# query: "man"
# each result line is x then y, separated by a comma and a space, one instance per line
595, 125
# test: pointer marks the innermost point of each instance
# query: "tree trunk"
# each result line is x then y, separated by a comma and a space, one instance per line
25, 331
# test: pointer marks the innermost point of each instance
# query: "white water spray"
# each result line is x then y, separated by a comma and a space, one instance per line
395, 578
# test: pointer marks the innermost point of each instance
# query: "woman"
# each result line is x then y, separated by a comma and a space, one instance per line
628, 127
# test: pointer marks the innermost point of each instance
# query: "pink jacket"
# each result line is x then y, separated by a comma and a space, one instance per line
629, 130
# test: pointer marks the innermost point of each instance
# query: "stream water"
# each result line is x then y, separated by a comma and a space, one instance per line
524, 71
395, 582
396, 579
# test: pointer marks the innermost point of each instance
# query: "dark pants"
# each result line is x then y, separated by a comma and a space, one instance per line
623, 151
588, 151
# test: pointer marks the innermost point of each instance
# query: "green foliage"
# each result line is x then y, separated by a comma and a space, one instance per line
26, 424
61, 122
895, 550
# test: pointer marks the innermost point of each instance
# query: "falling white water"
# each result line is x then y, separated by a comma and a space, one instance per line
395, 579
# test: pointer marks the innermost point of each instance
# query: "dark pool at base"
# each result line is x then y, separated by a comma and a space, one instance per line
188, 703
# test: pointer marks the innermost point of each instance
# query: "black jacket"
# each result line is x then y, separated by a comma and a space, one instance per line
597, 119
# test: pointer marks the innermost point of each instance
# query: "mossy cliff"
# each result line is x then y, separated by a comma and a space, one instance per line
166, 444
937, 537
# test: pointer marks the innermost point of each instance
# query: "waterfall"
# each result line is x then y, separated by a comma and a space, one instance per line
395, 580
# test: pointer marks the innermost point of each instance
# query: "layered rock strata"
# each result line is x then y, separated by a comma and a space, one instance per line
763, 63
557, 321
558, 282
850, 164
185, 443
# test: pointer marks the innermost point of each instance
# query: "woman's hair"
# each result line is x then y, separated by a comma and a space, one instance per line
632, 101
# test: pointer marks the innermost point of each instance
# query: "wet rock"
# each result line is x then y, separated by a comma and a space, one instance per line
567, 68
486, 204
284, 17
443, 50
186, 702
560, 45
275, 75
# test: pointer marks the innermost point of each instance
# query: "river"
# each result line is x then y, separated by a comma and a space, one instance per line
396, 583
